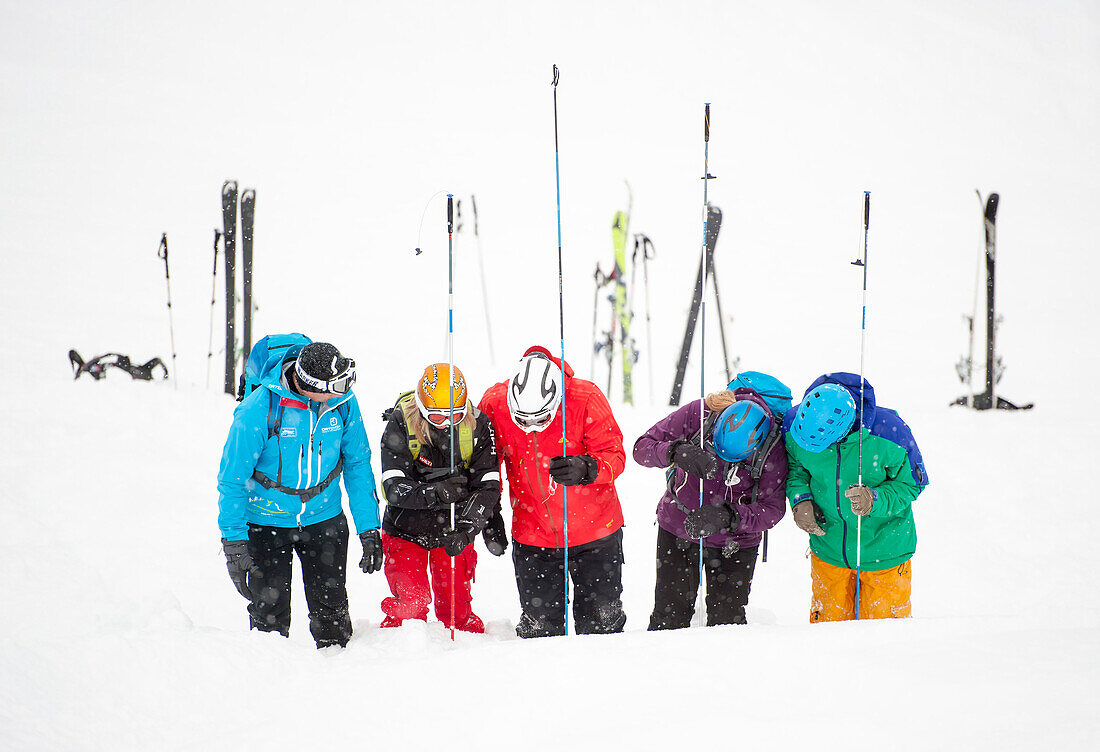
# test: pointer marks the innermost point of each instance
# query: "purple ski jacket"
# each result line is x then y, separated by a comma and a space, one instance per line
651, 450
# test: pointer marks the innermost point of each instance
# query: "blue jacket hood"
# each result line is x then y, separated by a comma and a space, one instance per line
880, 421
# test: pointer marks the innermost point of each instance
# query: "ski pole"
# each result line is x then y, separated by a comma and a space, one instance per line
213, 294
561, 322
703, 323
451, 371
648, 252
162, 252
597, 278
862, 261
484, 289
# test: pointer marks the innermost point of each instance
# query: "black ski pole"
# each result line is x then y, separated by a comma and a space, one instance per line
648, 252
162, 252
213, 297
598, 279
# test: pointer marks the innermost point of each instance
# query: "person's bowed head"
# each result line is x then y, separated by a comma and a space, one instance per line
826, 416
535, 394
738, 432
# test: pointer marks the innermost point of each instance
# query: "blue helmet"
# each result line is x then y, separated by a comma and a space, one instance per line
740, 429
824, 417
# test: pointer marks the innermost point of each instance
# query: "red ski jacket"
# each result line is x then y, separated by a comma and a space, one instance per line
537, 500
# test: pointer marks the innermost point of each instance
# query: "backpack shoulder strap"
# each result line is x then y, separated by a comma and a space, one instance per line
274, 414
404, 399
466, 442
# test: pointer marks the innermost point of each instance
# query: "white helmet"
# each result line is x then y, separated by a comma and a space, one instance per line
534, 393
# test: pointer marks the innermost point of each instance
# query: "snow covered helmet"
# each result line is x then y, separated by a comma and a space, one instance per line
740, 429
825, 416
534, 393
434, 395
321, 368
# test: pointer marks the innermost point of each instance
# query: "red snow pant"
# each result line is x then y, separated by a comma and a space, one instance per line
407, 566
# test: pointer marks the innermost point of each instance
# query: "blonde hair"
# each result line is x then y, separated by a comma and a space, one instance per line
416, 424
719, 401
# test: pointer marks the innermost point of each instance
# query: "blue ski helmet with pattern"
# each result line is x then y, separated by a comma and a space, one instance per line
825, 416
740, 430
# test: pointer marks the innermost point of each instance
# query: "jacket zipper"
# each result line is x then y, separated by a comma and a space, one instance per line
844, 528
545, 496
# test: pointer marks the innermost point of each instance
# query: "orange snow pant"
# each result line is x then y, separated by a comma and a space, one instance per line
883, 594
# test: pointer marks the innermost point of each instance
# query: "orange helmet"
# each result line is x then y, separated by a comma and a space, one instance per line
434, 395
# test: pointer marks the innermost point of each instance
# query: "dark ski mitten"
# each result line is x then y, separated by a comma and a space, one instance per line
372, 551
495, 535
445, 492
705, 522
693, 459
455, 541
240, 565
574, 471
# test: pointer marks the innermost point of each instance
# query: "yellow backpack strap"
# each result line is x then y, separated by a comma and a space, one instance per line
465, 433
414, 443
466, 442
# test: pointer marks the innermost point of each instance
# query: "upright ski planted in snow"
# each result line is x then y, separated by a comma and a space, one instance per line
248, 215
229, 234
619, 228
713, 224
994, 366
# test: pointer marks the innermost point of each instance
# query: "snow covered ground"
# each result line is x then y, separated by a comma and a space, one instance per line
119, 628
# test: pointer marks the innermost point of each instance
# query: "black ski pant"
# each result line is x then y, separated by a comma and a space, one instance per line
596, 570
323, 551
728, 583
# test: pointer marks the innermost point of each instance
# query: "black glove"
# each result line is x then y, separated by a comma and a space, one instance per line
693, 459
240, 565
372, 551
455, 541
574, 471
495, 535
705, 522
444, 493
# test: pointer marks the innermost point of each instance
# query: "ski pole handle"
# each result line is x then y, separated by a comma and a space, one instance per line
554, 83
450, 213
706, 123
162, 251
866, 210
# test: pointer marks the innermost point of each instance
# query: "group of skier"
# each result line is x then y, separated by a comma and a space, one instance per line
849, 468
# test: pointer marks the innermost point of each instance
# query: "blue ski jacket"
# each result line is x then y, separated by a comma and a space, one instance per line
297, 444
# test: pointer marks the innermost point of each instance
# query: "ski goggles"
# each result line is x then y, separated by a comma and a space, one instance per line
441, 417
540, 419
445, 416
338, 384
